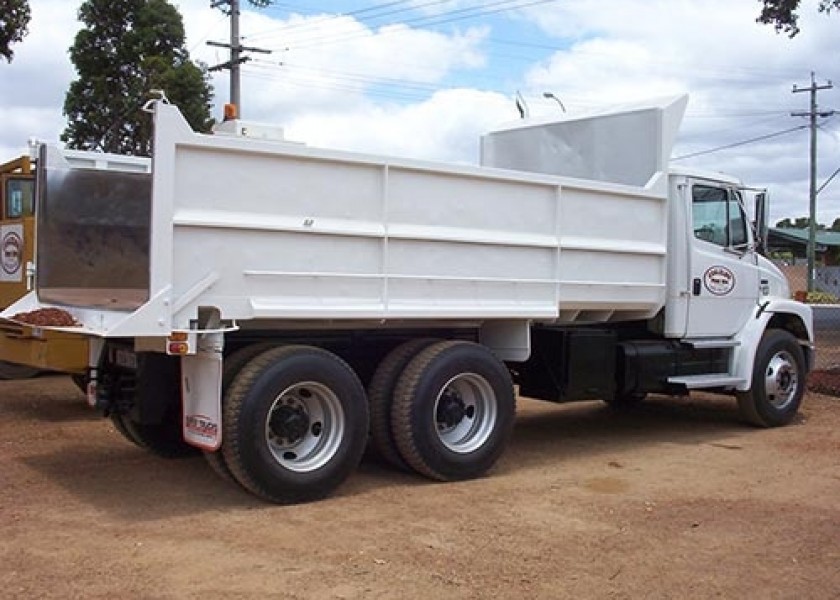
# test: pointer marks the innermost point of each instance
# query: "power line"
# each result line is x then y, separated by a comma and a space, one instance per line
741, 143
354, 13
827, 181
443, 18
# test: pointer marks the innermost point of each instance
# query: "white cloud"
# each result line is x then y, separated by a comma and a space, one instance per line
446, 127
396, 89
739, 75
32, 87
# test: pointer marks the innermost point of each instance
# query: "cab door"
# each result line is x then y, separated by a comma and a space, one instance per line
723, 274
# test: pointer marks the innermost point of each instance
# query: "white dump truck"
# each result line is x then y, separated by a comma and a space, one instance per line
279, 307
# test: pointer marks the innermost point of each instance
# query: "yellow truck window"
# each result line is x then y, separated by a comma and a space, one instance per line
19, 195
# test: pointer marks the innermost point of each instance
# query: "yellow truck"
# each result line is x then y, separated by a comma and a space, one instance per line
26, 351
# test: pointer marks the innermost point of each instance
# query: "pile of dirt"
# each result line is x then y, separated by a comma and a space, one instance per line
54, 317
825, 381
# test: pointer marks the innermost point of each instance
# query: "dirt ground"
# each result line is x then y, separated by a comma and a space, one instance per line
675, 500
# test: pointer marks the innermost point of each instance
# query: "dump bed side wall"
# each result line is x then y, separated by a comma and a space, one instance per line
283, 234
269, 231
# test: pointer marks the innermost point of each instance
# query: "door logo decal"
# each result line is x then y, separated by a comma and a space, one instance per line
12, 253
719, 280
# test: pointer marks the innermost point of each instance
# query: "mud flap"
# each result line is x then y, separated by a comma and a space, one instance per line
201, 388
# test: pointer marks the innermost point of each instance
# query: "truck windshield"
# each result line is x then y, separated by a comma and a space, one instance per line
93, 237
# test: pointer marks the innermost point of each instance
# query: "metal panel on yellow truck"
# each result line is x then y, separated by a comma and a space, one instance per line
276, 306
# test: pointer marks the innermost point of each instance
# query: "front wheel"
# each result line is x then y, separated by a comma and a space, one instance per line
778, 381
295, 424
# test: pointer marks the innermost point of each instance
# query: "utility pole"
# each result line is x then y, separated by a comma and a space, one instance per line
813, 113
236, 50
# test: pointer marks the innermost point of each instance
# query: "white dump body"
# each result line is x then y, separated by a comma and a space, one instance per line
283, 233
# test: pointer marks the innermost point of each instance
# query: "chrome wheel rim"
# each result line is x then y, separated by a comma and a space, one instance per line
304, 426
781, 380
465, 413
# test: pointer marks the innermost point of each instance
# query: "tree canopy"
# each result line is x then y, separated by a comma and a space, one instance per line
14, 23
805, 222
126, 49
784, 14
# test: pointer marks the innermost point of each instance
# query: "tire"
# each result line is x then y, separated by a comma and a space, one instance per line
295, 424
232, 365
14, 371
164, 439
118, 421
778, 381
453, 411
381, 398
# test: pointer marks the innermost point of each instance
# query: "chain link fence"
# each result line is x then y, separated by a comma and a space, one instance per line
827, 334
826, 375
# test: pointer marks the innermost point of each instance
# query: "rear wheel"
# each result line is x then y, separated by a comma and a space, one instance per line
295, 424
453, 411
778, 381
381, 398
164, 439
118, 421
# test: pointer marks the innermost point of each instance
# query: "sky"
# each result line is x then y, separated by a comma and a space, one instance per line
425, 78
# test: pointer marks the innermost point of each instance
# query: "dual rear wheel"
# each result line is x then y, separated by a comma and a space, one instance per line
445, 409
295, 418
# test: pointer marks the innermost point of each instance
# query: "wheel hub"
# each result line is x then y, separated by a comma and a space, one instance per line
289, 423
782, 380
451, 409
304, 427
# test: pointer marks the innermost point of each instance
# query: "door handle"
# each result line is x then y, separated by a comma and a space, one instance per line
695, 286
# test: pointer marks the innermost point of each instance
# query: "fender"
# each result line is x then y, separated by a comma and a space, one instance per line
790, 315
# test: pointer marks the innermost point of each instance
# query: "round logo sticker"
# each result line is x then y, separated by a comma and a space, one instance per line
12, 253
719, 280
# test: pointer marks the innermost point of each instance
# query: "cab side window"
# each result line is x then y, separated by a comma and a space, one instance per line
19, 196
718, 217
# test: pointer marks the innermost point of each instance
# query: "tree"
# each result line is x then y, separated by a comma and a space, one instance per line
14, 25
836, 225
802, 223
784, 15
126, 49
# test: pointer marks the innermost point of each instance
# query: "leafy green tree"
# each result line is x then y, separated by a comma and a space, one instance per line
784, 14
836, 225
14, 23
126, 49
803, 223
